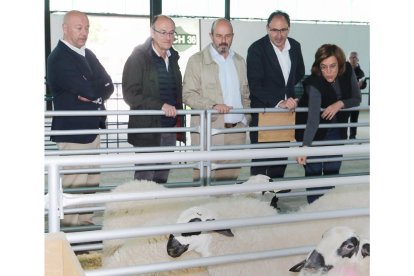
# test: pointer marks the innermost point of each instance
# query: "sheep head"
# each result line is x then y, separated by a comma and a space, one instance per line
197, 241
338, 253
258, 179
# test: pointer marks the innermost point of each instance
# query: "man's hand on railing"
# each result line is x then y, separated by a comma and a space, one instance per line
290, 104
222, 108
170, 110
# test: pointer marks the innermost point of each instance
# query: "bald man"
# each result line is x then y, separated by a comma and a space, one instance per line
78, 81
216, 78
151, 80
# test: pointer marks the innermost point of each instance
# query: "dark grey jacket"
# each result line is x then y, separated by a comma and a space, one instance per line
140, 88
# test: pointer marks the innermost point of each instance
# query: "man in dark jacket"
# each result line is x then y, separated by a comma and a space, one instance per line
362, 84
152, 80
274, 66
78, 81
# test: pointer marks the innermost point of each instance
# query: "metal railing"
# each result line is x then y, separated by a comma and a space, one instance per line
57, 201
206, 132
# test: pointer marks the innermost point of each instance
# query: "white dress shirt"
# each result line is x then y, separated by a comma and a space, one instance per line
230, 84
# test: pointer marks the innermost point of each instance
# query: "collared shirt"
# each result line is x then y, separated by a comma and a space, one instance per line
80, 51
229, 83
284, 59
166, 60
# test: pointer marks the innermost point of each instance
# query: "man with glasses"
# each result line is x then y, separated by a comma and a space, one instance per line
216, 78
274, 66
151, 80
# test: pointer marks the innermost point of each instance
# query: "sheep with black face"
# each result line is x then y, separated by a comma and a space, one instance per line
269, 237
339, 253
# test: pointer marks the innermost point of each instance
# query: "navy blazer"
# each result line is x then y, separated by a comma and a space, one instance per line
70, 75
266, 83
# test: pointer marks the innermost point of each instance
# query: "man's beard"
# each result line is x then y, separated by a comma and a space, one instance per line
223, 48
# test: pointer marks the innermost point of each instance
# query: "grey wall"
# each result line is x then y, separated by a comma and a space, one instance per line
311, 36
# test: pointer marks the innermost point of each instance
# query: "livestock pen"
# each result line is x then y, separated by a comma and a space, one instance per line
58, 202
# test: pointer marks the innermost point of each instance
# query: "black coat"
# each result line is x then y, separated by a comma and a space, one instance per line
70, 75
266, 82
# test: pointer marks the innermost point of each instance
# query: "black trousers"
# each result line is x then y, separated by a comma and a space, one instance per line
354, 119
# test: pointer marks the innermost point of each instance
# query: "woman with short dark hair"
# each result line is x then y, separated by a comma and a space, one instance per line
331, 86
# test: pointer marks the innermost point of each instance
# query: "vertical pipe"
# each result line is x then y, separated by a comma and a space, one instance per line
155, 8
47, 51
209, 142
227, 9
54, 194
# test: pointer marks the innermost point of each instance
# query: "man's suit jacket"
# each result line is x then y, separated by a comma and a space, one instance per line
70, 75
266, 82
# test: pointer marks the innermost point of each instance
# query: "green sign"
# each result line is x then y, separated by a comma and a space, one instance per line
184, 40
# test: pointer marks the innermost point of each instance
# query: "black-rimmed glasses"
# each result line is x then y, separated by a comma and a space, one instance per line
280, 31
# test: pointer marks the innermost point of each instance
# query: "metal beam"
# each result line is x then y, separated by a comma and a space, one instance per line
47, 48
155, 8
227, 9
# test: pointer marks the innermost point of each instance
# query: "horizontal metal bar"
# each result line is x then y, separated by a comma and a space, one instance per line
127, 233
120, 130
117, 112
206, 261
121, 150
148, 158
211, 190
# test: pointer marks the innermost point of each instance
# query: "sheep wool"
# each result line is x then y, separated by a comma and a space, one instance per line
130, 214
280, 236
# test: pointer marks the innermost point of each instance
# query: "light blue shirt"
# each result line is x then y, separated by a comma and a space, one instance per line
230, 84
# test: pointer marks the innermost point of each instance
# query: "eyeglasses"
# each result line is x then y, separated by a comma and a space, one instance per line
281, 31
331, 67
165, 34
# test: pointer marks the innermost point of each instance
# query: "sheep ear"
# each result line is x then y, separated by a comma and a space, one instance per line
348, 248
365, 251
175, 248
298, 267
316, 261
225, 232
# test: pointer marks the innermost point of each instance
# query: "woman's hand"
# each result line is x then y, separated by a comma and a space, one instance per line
331, 110
301, 160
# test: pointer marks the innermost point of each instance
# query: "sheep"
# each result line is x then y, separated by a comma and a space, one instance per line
159, 212
130, 214
268, 237
341, 252
342, 197
141, 250
149, 250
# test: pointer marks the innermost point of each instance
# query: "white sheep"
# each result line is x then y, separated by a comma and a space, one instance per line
145, 250
279, 236
158, 212
128, 214
149, 250
341, 252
